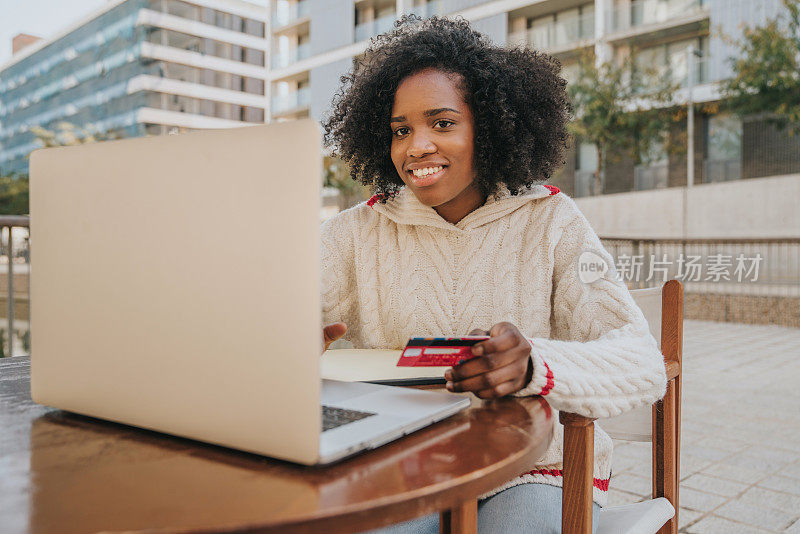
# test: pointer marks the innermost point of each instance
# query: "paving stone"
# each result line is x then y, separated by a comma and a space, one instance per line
718, 486
744, 475
774, 500
705, 453
717, 525
756, 516
686, 517
791, 470
781, 483
632, 484
724, 444
766, 460
700, 501
618, 498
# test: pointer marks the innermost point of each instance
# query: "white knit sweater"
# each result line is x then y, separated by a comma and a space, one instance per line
398, 270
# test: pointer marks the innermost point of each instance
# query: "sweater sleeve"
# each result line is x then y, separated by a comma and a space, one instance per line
337, 278
602, 359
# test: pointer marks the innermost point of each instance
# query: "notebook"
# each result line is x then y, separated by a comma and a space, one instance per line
378, 367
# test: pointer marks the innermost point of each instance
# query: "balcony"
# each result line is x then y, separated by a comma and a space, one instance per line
585, 184
557, 35
646, 177
372, 28
429, 9
643, 13
287, 13
295, 101
722, 170
281, 60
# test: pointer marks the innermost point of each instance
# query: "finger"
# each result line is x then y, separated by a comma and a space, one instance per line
504, 340
478, 332
501, 390
483, 364
490, 380
332, 332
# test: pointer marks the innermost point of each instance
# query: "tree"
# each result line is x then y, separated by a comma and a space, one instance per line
67, 134
766, 70
14, 187
337, 175
14, 195
620, 109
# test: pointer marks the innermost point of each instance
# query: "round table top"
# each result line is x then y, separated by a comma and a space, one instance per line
61, 472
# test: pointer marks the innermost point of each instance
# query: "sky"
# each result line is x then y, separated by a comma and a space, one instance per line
43, 18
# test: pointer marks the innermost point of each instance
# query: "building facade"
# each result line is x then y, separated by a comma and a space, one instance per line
138, 67
313, 42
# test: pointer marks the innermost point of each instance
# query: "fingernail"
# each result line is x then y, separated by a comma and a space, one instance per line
449, 386
448, 375
477, 350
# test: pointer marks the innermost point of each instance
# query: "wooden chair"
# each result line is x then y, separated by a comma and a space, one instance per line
663, 309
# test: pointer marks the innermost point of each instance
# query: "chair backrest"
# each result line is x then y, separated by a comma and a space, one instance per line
637, 424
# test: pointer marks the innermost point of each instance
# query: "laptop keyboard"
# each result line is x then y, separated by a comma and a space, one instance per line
334, 417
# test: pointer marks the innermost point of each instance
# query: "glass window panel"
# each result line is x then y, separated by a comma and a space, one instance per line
724, 137
587, 157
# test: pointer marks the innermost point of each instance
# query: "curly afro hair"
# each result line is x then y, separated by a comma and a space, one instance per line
517, 98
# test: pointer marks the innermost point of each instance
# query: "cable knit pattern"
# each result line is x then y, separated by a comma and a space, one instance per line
398, 270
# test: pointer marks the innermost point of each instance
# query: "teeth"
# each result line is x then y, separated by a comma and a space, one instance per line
426, 171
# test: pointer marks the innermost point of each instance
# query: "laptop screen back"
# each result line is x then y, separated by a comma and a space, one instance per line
175, 284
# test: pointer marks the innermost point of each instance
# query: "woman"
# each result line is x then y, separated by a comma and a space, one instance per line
454, 135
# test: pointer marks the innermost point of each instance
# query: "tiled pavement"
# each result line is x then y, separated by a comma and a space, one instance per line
740, 443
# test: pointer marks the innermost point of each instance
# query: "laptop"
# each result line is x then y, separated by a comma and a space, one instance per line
175, 287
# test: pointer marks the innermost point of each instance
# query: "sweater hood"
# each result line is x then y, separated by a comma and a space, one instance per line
405, 208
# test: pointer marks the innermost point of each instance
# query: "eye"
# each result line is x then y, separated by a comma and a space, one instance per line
444, 122
401, 131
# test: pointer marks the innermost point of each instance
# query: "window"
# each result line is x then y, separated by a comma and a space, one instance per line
671, 59
723, 138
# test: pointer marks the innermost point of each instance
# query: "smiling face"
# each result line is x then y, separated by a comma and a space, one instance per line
433, 141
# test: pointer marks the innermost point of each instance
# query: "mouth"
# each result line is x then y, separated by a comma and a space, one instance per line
427, 176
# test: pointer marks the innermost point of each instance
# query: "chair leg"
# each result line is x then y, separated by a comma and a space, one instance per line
576, 503
665, 452
462, 519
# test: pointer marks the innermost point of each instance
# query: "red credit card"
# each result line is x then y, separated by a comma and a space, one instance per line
438, 351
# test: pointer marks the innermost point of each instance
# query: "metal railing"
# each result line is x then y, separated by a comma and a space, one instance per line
645, 12
585, 184
558, 33
281, 60
722, 170
7, 225
428, 9
365, 30
288, 12
740, 280
295, 100
650, 177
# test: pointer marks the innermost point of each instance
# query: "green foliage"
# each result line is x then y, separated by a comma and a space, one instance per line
767, 71
337, 175
621, 110
14, 187
13, 195
67, 134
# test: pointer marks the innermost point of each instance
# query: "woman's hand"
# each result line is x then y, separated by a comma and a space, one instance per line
502, 366
332, 332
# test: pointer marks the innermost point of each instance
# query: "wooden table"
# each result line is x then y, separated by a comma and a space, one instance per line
61, 472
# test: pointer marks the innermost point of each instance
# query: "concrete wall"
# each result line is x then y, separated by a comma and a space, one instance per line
324, 82
755, 208
495, 28
331, 24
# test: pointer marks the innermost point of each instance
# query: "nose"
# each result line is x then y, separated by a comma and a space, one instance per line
420, 145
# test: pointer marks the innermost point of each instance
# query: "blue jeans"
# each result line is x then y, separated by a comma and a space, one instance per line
527, 508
